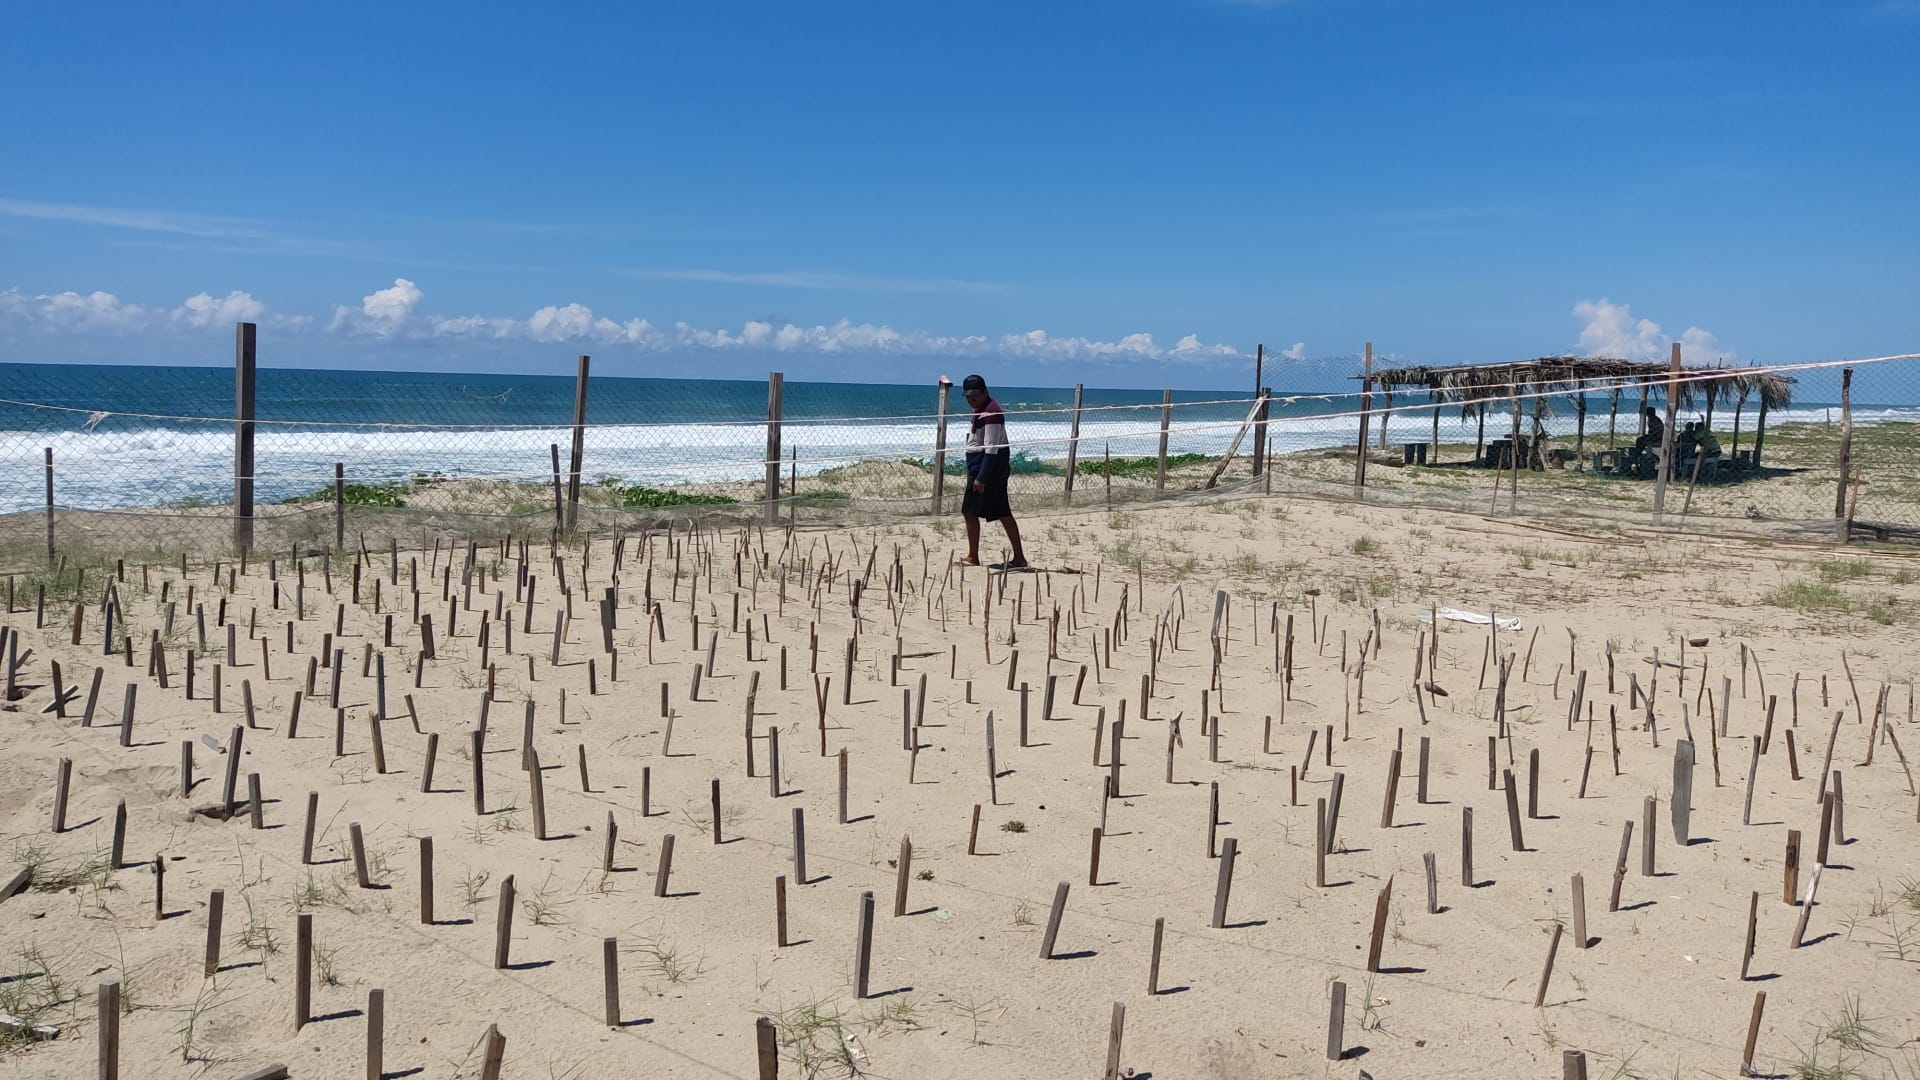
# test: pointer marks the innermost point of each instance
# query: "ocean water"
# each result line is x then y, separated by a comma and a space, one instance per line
139, 436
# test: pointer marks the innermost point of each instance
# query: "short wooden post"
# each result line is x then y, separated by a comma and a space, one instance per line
1647, 811
863, 948
766, 1039
665, 869
62, 782
1579, 912
1753, 1032
302, 969
1393, 787
799, 846
1753, 924
313, 822
426, 881
1546, 973
903, 872
493, 1053
1790, 885
1223, 886
610, 975
1376, 942
107, 1021
359, 855
216, 906
1153, 965
1806, 906
1113, 1033
1320, 843
478, 737
1513, 810
376, 1034
1337, 1022
503, 924
1053, 921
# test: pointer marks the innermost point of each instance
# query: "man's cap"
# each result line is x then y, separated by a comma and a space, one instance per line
973, 382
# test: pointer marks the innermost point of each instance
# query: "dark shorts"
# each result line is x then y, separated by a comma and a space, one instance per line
989, 505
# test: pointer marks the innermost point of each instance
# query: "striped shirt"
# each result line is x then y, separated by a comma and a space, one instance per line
989, 456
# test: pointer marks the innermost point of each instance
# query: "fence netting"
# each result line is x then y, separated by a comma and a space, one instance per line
143, 461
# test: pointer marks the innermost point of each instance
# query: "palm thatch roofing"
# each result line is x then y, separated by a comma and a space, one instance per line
1547, 374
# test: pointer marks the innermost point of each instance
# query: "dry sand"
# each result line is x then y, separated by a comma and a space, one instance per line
960, 988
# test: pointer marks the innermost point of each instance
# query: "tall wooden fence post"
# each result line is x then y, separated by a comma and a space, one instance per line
1846, 453
1366, 407
1166, 426
1259, 393
1260, 432
243, 395
940, 449
1666, 437
579, 444
49, 504
1073, 440
775, 383
339, 504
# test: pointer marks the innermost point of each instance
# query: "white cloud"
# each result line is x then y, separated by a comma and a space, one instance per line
393, 314
237, 306
1698, 347
382, 312
105, 313
1295, 351
1609, 329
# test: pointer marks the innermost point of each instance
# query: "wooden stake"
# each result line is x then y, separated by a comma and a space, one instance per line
302, 969
863, 948
1753, 918
503, 924
359, 855
216, 904
1466, 846
1753, 1032
426, 881
1647, 809
1224, 885
1513, 810
1337, 1022
1546, 973
665, 868
1053, 921
1790, 878
1806, 907
1580, 939
1377, 941
610, 977
107, 1024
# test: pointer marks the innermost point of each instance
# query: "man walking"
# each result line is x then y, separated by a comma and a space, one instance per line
989, 465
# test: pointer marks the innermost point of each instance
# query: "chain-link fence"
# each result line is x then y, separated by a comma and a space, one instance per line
104, 462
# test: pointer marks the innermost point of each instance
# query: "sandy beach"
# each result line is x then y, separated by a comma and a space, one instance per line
761, 621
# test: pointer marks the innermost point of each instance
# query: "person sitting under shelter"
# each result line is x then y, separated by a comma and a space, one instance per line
1656, 430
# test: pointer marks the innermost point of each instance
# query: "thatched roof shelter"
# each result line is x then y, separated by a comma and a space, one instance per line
1478, 382
1474, 386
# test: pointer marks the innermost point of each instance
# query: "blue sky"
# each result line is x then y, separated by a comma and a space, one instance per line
1128, 193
